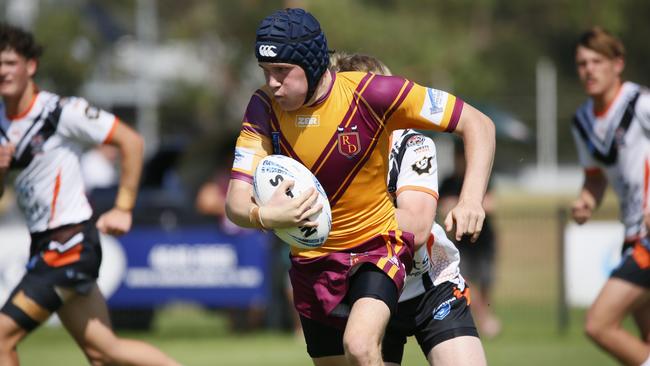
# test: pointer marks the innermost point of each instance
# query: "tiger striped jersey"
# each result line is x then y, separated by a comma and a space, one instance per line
616, 141
49, 139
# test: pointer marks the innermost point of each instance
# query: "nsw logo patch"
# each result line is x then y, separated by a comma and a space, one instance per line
433, 107
442, 310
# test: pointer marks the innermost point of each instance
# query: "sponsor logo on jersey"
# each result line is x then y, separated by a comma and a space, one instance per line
422, 166
421, 149
416, 140
349, 142
434, 105
307, 121
268, 50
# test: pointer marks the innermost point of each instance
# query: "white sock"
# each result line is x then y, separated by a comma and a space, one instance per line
646, 362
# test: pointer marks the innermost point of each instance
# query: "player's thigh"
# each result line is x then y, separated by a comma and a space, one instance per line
616, 299
31, 302
373, 296
86, 318
459, 351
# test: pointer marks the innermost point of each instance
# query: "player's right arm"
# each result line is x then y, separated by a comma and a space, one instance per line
6, 153
591, 195
280, 212
594, 185
253, 144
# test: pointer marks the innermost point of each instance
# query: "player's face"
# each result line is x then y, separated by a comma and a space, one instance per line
288, 83
15, 73
597, 73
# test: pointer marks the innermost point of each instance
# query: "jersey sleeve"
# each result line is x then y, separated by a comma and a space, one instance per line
81, 121
585, 158
428, 109
419, 167
254, 141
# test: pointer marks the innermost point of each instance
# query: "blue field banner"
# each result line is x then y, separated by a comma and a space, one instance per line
193, 264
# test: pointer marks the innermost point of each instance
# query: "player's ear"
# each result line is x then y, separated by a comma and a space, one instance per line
32, 66
619, 65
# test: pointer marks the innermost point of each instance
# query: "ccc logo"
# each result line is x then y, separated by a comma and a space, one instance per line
267, 50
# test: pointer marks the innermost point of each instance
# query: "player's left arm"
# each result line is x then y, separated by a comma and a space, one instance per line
478, 134
118, 220
416, 213
417, 187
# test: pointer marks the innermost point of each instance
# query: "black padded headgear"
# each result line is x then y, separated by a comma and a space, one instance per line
294, 36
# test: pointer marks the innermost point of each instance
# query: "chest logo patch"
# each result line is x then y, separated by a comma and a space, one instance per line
349, 143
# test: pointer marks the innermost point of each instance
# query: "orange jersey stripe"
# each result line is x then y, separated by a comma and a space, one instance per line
55, 194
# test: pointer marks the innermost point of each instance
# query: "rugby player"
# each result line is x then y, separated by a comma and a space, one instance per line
611, 132
41, 138
338, 125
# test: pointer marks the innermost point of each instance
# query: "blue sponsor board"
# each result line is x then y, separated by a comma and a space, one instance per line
198, 264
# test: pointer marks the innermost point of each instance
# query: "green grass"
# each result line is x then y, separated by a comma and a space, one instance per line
195, 337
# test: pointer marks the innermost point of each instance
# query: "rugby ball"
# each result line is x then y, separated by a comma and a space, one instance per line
274, 169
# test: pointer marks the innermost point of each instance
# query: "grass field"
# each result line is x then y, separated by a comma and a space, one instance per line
196, 337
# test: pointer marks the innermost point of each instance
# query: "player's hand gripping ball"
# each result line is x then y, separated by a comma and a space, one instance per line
272, 170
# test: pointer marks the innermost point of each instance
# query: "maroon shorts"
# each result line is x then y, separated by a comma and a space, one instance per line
320, 284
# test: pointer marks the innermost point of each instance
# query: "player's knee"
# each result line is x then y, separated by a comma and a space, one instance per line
99, 357
594, 329
10, 334
359, 349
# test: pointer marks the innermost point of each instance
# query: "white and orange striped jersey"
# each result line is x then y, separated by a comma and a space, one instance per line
49, 139
413, 166
617, 142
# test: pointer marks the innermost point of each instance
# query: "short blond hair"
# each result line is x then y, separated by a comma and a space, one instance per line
341, 62
600, 40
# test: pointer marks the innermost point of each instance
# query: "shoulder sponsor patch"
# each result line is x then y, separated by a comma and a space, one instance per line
433, 107
243, 159
415, 140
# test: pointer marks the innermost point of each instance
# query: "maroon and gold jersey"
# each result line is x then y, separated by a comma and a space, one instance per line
343, 139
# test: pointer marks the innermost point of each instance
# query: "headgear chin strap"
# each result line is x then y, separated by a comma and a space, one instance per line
294, 36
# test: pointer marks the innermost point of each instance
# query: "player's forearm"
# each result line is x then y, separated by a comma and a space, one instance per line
416, 224
132, 156
479, 141
593, 190
240, 205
